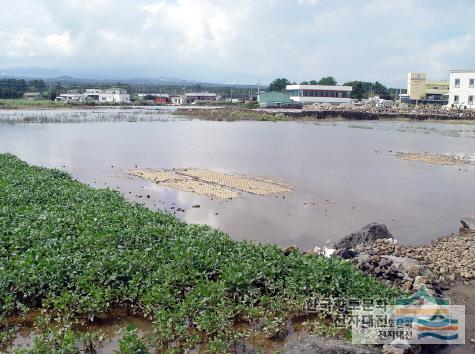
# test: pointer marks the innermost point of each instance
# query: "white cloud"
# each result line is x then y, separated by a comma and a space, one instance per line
195, 26
59, 43
27, 44
240, 40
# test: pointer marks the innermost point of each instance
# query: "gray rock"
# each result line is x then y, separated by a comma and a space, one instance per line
289, 249
468, 222
347, 253
414, 270
367, 234
314, 344
389, 349
394, 349
402, 263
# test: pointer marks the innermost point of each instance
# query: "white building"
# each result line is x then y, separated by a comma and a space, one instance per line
319, 93
193, 97
70, 97
112, 95
462, 89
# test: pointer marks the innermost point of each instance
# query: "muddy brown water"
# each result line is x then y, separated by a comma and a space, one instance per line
112, 325
344, 175
110, 328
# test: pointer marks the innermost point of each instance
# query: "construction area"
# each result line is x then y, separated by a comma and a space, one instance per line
211, 183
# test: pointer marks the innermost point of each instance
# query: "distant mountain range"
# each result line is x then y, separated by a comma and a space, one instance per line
51, 75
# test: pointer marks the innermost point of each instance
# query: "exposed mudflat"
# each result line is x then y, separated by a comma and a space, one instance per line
436, 159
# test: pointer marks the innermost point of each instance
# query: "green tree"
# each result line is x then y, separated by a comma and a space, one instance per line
364, 89
313, 82
279, 84
304, 83
12, 88
37, 85
53, 91
328, 80
359, 89
380, 89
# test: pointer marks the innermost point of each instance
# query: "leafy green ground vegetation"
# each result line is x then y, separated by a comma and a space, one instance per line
77, 252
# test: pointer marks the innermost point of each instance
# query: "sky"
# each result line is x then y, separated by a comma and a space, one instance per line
240, 41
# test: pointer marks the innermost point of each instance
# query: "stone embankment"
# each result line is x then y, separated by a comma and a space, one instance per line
437, 265
317, 112
372, 113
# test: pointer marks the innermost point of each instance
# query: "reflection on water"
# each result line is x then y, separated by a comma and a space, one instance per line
344, 177
110, 329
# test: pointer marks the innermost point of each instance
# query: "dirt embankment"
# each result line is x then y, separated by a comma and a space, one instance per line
232, 114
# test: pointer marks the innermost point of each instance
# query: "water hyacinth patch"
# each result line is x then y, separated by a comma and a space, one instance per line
78, 252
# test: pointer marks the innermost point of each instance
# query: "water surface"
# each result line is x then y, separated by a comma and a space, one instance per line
344, 173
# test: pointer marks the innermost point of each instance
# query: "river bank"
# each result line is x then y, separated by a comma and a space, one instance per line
327, 113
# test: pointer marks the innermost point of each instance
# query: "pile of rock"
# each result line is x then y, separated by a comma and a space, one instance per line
451, 258
440, 263
384, 246
403, 272
374, 250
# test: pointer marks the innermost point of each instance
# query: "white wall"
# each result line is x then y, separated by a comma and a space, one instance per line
309, 99
319, 87
114, 97
464, 91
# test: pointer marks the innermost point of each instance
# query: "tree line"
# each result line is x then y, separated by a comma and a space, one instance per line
15, 88
361, 89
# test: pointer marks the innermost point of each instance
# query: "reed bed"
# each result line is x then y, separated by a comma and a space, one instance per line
84, 116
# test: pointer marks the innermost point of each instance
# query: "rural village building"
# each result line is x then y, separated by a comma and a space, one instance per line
32, 96
273, 99
319, 93
193, 97
112, 95
419, 90
159, 98
462, 89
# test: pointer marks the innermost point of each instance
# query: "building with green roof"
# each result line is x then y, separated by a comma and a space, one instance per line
274, 99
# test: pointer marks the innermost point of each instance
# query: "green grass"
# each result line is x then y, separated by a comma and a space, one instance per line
38, 104
22, 103
232, 114
77, 252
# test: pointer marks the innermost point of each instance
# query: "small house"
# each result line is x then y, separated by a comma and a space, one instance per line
32, 96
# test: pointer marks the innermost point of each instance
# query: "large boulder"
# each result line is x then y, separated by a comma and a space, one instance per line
468, 222
367, 234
